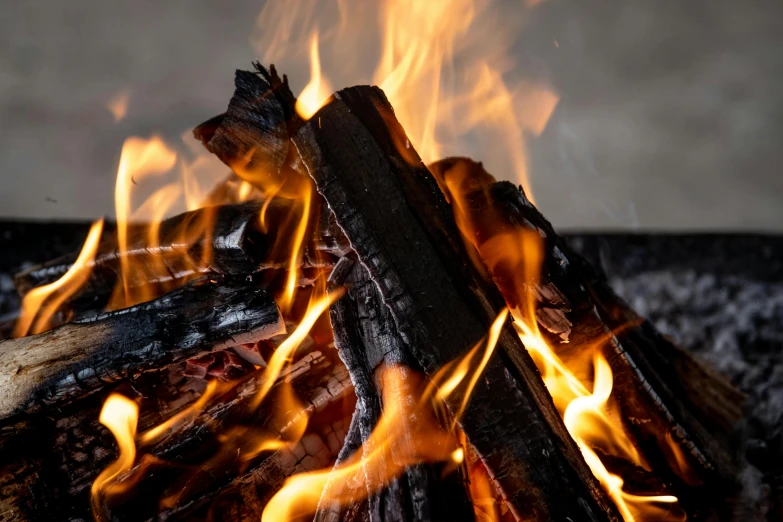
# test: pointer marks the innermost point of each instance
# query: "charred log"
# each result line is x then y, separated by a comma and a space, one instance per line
77, 358
366, 338
223, 239
401, 227
668, 400
50, 462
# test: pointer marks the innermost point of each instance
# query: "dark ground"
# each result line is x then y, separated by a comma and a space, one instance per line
718, 296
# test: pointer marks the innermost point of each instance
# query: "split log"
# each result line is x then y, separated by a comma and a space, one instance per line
680, 414
50, 461
367, 341
77, 358
402, 229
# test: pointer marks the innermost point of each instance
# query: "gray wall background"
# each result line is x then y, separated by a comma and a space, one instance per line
671, 111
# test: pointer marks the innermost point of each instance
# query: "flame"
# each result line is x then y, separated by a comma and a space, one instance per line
118, 105
139, 158
514, 257
315, 93
283, 354
406, 434
41, 303
121, 416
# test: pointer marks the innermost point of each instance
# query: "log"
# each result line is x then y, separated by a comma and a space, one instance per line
77, 358
57, 456
227, 234
366, 339
675, 400
403, 231
324, 387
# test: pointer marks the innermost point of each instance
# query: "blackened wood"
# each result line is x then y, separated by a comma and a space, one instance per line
50, 461
367, 341
223, 239
77, 358
231, 242
402, 229
665, 395
254, 130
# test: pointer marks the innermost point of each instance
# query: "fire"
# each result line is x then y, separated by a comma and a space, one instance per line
378, 462
514, 258
40, 304
315, 93
283, 354
139, 158
121, 416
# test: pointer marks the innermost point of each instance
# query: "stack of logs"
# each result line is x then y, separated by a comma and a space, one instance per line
383, 229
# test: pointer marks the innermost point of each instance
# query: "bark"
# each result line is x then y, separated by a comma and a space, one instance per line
403, 232
77, 358
666, 397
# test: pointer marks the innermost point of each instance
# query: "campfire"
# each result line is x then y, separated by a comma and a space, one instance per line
341, 331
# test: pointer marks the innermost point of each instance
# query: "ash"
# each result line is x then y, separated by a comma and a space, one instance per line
721, 298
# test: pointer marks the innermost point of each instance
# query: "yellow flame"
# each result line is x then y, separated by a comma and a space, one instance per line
139, 158
154, 434
318, 90
514, 257
283, 354
121, 416
41, 303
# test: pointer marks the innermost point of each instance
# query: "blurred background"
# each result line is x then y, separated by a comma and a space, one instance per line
670, 113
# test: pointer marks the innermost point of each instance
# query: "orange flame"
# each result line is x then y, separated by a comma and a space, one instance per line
315, 93
514, 257
40, 304
283, 354
121, 416
384, 456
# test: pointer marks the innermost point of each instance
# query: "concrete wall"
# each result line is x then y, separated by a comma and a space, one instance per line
671, 111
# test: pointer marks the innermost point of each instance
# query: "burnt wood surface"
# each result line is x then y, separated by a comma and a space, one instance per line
403, 231
77, 358
231, 242
680, 400
50, 461
367, 341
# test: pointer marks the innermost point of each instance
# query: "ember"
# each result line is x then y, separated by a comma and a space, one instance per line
471, 366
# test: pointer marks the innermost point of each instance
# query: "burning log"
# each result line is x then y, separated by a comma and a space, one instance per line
50, 462
403, 231
231, 246
77, 358
366, 338
680, 414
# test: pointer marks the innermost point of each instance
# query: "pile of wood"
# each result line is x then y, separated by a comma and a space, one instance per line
417, 295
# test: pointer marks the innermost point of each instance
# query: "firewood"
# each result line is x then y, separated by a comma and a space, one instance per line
229, 242
366, 338
77, 358
50, 461
403, 232
673, 399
